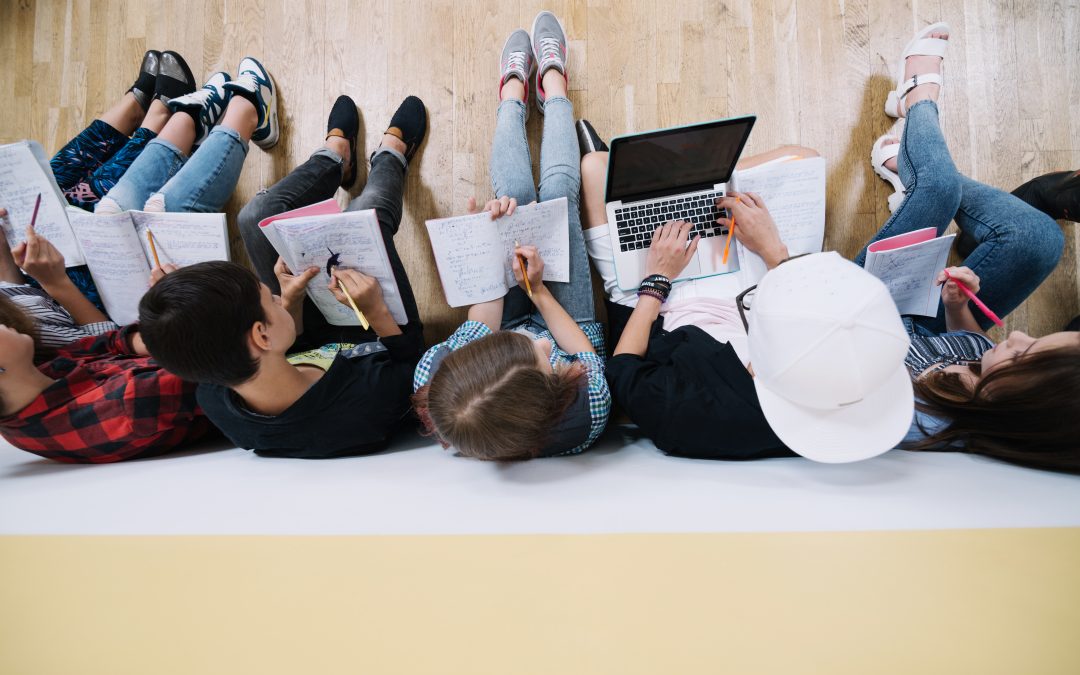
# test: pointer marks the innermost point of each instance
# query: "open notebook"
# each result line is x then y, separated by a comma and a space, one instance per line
794, 192
320, 234
908, 264
117, 250
474, 252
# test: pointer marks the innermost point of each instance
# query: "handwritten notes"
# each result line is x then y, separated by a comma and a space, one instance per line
357, 238
24, 174
909, 270
183, 238
118, 253
116, 262
475, 253
794, 192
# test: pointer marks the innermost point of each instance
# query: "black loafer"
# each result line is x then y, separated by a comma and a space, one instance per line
174, 77
143, 89
346, 120
587, 138
409, 124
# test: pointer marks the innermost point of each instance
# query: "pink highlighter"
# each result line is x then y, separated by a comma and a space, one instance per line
978, 303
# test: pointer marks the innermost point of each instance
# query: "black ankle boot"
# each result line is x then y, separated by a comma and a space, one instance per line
1055, 194
587, 138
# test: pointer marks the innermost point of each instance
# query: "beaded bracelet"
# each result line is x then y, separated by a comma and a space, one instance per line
652, 294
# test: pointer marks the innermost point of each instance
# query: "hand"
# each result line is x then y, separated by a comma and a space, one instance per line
365, 290
292, 285
534, 265
158, 273
668, 253
754, 226
951, 295
498, 208
40, 259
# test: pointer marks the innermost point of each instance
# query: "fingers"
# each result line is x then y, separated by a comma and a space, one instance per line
503, 206
471, 205
19, 253
756, 199
280, 268
309, 274
3, 213
692, 248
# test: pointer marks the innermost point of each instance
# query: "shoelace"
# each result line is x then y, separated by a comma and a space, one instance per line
516, 62
550, 50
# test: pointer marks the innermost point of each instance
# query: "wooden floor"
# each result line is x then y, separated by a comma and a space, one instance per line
815, 72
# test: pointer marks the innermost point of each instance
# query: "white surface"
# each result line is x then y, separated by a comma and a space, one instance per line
421, 489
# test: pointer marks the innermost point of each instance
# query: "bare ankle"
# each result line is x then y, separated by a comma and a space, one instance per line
554, 83
513, 88
340, 146
393, 143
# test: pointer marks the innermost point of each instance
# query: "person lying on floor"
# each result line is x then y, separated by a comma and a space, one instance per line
350, 391
99, 399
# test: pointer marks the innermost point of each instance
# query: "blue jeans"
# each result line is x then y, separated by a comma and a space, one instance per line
201, 184
1010, 245
560, 176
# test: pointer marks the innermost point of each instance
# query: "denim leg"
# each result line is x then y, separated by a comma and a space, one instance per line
153, 168
1017, 246
383, 192
106, 176
313, 181
86, 152
560, 176
205, 183
926, 168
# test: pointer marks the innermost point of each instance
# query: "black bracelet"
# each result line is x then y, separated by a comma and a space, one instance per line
657, 286
658, 278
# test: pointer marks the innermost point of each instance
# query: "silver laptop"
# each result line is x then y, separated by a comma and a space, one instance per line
672, 174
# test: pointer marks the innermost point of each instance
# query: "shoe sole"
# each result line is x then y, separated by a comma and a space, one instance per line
536, 57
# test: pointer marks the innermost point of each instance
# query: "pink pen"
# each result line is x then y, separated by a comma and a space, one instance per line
978, 303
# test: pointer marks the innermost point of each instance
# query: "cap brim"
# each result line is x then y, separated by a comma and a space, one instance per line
862, 430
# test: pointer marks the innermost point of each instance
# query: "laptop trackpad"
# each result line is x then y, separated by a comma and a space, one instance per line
693, 268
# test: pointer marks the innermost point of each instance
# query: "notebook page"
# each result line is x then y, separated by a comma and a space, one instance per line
910, 272
183, 238
325, 207
357, 239
794, 193
24, 174
470, 257
116, 262
544, 225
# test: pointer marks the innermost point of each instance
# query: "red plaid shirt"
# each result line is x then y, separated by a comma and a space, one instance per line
106, 405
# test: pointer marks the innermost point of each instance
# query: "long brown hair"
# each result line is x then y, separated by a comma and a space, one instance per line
490, 401
1025, 412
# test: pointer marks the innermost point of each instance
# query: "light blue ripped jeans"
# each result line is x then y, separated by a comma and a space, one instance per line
163, 179
560, 176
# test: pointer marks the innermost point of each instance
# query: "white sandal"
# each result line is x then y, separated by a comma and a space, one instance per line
880, 154
920, 45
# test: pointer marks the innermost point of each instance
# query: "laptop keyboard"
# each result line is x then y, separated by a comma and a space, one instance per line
636, 223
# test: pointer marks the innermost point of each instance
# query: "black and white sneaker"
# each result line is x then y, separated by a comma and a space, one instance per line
206, 106
254, 83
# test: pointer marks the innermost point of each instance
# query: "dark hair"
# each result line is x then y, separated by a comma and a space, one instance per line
1025, 412
15, 317
196, 322
490, 401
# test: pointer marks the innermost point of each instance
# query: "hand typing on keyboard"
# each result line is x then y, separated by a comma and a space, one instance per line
668, 250
636, 223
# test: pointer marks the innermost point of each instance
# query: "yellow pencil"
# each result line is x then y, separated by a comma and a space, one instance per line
731, 231
352, 303
153, 248
524, 274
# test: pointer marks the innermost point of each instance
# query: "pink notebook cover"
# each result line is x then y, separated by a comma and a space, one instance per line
902, 240
323, 208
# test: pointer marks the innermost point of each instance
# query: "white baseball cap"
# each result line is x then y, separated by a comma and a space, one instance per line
827, 347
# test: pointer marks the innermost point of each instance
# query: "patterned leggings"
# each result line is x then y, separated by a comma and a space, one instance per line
86, 169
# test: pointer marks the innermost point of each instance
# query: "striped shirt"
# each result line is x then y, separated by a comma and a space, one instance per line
945, 350
55, 325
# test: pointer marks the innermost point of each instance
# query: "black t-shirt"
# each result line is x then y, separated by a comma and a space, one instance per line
360, 400
692, 396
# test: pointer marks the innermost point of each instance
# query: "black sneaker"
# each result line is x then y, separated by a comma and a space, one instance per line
1055, 194
146, 82
587, 138
174, 78
409, 124
344, 122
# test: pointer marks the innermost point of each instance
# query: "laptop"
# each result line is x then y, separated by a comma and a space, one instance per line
672, 174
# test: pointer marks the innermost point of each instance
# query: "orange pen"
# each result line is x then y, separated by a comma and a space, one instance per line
731, 231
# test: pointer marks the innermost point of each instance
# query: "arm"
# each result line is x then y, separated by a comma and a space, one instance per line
958, 314
490, 313
45, 263
568, 335
367, 294
754, 226
293, 287
668, 256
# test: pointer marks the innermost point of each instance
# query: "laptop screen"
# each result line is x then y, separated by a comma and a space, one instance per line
672, 161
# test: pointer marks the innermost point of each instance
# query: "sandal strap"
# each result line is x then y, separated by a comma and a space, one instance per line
919, 80
927, 47
883, 153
